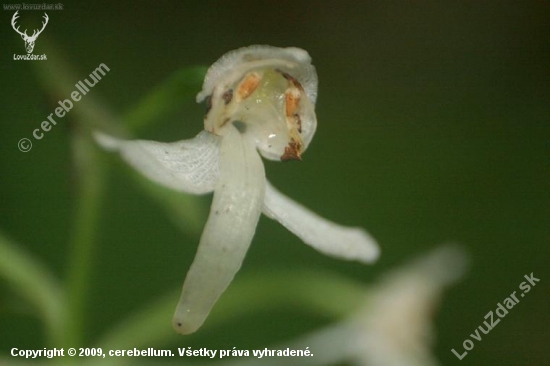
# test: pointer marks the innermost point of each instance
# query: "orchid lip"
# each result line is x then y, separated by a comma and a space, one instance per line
234, 213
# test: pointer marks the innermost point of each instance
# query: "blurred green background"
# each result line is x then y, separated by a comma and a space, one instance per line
434, 126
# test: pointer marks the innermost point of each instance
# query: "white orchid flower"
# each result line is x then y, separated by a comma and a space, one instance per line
260, 100
394, 326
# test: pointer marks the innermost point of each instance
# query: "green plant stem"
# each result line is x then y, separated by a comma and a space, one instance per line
36, 284
165, 98
316, 292
58, 78
145, 328
89, 181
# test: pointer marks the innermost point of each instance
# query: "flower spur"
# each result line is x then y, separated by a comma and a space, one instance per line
260, 100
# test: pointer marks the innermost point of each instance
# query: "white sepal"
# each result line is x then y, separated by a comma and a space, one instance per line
189, 165
325, 236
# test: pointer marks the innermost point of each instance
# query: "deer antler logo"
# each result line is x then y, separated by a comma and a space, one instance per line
29, 41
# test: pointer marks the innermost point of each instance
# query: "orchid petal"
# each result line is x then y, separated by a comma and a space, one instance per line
237, 62
330, 345
396, 327
325, 236
271, 90
189, 165
234, 214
